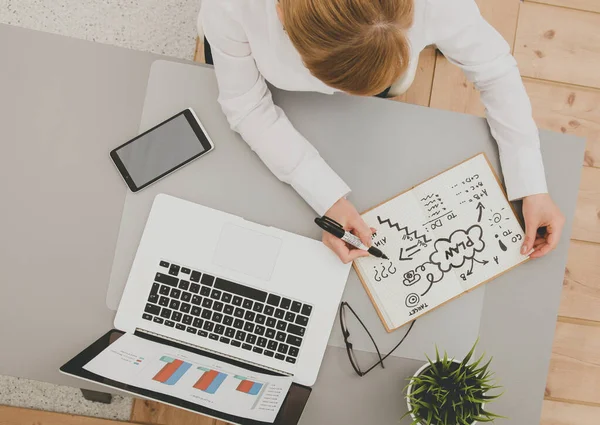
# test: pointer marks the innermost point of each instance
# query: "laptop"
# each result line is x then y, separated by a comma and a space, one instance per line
215, 282
238, 288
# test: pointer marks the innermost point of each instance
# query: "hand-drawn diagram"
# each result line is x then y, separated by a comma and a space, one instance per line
443, 237
449, 253
377, 241
500, 243
432, 274
471, 189
433, 204
480, 207
459, 247
514, 238
412, 300
406, 234
437, 212
408, 253
411, 277
415, 310
383, 272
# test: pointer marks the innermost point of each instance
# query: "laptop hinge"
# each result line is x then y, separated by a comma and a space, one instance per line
219, 353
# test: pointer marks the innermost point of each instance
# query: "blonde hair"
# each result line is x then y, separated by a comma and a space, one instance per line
357, 46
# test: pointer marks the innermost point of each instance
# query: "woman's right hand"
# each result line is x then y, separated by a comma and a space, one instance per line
344, 213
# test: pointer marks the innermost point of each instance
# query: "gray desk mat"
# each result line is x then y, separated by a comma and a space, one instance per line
233, 179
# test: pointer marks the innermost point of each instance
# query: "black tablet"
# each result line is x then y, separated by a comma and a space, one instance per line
161, 150
289, 414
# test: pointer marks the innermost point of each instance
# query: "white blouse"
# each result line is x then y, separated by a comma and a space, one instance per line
249, 47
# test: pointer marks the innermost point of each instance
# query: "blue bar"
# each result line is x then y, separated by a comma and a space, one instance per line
181, 370
255, 388
216, 383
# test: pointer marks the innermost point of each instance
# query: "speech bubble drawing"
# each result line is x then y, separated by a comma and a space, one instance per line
462, 245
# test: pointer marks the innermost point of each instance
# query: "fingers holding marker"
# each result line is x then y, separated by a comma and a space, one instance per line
340, 248
363, 231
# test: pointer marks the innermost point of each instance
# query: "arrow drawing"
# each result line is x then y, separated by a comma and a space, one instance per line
470, 271
409, 257
473, 261
479, 207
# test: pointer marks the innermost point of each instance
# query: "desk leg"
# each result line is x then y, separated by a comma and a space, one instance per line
96, 396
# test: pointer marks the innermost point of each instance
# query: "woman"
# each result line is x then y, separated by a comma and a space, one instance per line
367, 47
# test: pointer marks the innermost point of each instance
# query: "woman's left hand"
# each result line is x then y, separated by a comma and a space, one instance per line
541, 211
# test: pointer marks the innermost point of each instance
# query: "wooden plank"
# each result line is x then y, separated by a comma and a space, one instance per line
20, 416
586, 225
451, 90
575, 364
152, 412
199, 52
581, 285
419, 92
568, 109
560, 413
558, 44
589, 5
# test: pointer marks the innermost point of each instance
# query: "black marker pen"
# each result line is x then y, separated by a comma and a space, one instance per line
336, 229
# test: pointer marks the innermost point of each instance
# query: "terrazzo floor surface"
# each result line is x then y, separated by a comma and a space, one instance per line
166, 27
20, 392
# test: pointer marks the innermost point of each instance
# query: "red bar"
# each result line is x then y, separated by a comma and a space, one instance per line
245, 386
167, 370
206, 379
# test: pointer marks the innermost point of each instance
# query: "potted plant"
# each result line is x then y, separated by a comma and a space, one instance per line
449, 392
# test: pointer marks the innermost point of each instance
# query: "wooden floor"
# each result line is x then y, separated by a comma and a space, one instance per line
557, 46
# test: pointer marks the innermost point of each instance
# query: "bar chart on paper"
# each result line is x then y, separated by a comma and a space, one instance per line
192, 377
247, 386
172, 371
210, 381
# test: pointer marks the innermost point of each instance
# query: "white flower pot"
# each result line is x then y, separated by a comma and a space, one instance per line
409, 391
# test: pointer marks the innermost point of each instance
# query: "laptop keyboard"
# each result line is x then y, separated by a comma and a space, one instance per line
228, 312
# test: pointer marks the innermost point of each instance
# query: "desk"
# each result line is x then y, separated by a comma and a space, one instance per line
66, 102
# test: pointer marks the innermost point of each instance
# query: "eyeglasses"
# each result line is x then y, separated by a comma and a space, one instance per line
349, 349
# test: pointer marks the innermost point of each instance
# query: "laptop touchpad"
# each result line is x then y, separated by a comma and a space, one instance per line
247, 251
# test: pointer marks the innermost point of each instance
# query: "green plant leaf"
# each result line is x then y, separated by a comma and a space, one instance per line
453, 393
429, 417
432, 365
477, 362
492, 415
418, 390
463, 421
481, 371
465, 361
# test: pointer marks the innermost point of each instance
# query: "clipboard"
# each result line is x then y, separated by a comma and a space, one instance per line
382, 223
